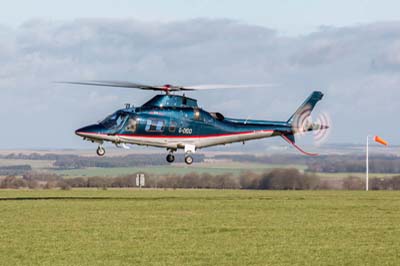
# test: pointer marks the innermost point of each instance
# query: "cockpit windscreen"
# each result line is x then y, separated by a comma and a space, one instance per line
114, 121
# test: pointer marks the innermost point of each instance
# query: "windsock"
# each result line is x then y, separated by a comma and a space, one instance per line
380, 140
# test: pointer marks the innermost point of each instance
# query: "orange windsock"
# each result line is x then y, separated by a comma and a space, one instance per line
380, 140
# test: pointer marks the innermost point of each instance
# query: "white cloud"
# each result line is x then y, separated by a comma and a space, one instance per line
357, 67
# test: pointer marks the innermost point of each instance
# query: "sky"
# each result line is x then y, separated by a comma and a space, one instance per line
350, 50
287, 17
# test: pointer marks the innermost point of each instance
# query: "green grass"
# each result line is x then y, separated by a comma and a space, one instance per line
199, 227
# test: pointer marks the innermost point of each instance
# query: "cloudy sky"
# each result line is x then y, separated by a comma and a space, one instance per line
350, 51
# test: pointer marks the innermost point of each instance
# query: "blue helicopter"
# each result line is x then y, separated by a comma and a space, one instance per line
175, 122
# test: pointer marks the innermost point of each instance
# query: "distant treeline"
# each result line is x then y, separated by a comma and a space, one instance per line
14, 169
355, 165
352, 163
277, 179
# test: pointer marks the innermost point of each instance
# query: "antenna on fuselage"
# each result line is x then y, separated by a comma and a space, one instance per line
245, 122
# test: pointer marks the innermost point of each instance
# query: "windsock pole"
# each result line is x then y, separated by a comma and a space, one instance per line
380, 141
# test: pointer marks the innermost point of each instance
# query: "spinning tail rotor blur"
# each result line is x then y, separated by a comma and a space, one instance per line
323, 123
320, 126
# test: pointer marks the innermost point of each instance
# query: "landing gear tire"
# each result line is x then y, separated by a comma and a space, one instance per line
100, 151
188, 159
170, 158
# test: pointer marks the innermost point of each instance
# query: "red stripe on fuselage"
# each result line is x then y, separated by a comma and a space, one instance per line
182, 136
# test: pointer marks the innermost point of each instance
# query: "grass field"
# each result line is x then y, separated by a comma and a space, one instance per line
199, 227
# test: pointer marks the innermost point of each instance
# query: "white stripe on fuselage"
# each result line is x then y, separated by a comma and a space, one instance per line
180, 141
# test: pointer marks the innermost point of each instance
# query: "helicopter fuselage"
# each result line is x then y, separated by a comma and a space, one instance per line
176, 122
175, 128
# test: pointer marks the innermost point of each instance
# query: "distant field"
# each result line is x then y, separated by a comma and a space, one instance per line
199, 227
211, 168
35, 164
215, 167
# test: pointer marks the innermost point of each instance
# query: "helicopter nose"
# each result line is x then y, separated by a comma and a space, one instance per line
88, 130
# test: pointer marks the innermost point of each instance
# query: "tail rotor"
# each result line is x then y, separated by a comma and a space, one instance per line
304, 123
322, 128
320, 125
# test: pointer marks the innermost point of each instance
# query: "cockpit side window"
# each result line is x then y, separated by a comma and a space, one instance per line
114, 121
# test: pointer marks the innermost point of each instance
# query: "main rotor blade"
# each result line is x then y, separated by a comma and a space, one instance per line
230, 86
119, 84
125, 84
167, 87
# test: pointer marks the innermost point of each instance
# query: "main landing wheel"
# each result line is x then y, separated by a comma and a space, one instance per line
100, 151
188, 159
170, 158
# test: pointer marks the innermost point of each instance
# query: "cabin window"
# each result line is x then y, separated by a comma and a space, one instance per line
160, 126
172, 126
196, 114
208, 119
132, 125
154, 125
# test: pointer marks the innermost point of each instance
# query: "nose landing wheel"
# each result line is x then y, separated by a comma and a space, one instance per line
188, 159
100, 151
170, 158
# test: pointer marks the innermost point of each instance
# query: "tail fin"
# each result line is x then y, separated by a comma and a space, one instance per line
307, 106
299, 120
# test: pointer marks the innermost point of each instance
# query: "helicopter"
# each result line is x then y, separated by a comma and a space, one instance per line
173, 122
